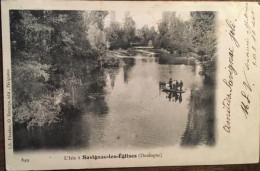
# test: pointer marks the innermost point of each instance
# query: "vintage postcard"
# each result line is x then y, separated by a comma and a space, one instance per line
130, 84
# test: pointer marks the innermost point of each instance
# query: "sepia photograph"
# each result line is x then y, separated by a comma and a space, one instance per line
106, 84
108, 79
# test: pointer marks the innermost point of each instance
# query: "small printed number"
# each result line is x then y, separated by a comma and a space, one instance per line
25, 160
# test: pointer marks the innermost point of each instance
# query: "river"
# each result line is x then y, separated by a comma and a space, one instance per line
131, 111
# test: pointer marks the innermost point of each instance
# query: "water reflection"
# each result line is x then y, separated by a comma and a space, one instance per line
200, 127
128, 64
124, 108
174, 97
139, 115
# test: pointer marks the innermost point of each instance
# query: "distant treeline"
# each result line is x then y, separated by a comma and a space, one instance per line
195, 37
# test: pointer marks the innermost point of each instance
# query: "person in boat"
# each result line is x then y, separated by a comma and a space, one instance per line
181, 85
177, 85
173, 86
170, 83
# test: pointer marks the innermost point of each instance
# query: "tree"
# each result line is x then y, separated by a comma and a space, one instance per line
173, 34
96, 34
204, 41
97, 40
128, 30
145, 35
114, 34
152, 34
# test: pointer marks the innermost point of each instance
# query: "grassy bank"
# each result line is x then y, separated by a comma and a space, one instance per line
167, 58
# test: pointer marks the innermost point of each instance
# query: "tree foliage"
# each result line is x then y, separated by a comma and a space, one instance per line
195, 36
121, 36
204, 41
50, 52
145, 35
114, 34
174, 34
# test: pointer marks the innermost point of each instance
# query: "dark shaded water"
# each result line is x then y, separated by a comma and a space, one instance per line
129, 110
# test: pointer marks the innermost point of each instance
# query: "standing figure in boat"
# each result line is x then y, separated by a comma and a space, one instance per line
177, 85
173, 86
170, 83
181, 85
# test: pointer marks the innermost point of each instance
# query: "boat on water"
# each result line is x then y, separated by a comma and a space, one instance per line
166, 88
163, 83
172, 90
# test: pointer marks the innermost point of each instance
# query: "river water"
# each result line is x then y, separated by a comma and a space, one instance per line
131, 111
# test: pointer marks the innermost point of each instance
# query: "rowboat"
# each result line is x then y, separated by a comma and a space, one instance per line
172, 90
163, 83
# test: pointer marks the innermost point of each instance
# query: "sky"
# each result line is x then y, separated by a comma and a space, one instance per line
142, 18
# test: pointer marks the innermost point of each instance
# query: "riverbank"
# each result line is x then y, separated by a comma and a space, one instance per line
133, 51
164, 56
